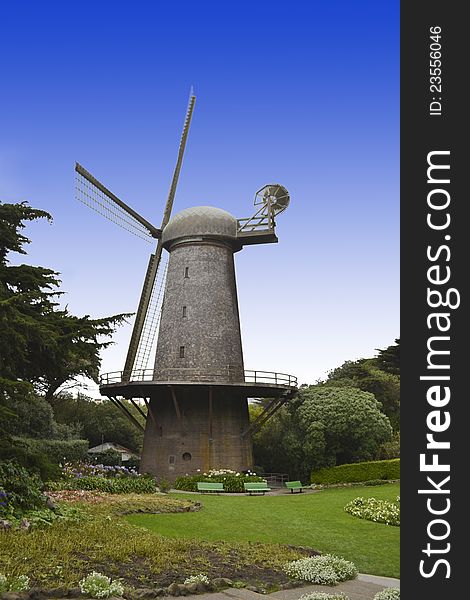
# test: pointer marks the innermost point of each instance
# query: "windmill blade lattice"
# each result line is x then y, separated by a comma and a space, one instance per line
93, 194
145, 354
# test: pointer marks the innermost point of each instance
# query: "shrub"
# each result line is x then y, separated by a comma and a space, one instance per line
164, 486
143, 484
326, 569
21, 491
13, 584
232, 480
32, 461
98, 585
57, 451
358, 472
380, 511
388, 594
324, 596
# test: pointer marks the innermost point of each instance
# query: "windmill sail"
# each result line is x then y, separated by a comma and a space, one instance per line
148, 340
95, 195
153, 266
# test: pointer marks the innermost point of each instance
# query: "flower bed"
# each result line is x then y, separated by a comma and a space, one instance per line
78, 470
388, 594
233, 481
380, 511
325, 569
103, 478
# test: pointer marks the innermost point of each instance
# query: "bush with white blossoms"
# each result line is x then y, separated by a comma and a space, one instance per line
233, 480
380, 511
326, 569
388, 594
324, 596
19, 583
200, 578
98, 585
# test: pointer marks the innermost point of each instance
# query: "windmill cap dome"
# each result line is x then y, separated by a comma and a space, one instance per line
200, 221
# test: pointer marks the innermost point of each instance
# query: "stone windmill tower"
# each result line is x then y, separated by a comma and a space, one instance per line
196, 392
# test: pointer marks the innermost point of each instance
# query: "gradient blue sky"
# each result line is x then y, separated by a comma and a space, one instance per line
301, 93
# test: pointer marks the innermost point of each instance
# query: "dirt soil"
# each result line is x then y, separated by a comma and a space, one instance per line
139, 571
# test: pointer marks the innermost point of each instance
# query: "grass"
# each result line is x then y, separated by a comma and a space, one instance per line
314, 520
63, 553
256, 532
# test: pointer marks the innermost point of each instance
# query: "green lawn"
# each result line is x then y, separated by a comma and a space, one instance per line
315, 520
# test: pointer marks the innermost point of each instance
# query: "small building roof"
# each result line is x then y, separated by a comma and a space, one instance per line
111, 446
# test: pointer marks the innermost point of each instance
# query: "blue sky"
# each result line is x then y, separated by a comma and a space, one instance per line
303, 93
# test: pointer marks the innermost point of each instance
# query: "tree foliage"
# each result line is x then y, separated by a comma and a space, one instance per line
99, 421
388, 359
41, 343
379, 376
322, 427
365, 375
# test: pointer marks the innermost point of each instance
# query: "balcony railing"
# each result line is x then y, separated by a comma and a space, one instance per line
250, 376
270, 377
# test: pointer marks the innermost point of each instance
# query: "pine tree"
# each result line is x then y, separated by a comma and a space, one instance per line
41, 346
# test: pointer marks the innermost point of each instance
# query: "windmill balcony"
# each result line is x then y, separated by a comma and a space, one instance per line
250, 377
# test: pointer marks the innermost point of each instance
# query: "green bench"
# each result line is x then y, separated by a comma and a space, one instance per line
294, 486
204, 486
256, 487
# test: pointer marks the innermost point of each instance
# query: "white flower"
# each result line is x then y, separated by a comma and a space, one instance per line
388, 594
379, 511
326, 569
98, 585
14, 584
200, 578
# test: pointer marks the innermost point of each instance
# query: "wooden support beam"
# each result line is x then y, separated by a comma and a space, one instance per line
138, 408
268, 407
268, 412
130, 416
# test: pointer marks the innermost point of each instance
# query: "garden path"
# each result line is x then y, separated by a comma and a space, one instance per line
363, 588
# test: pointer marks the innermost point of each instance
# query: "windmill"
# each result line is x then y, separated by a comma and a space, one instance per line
196, 392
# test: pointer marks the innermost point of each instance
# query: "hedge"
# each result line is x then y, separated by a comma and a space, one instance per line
56, 450
143, 484
358, 472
